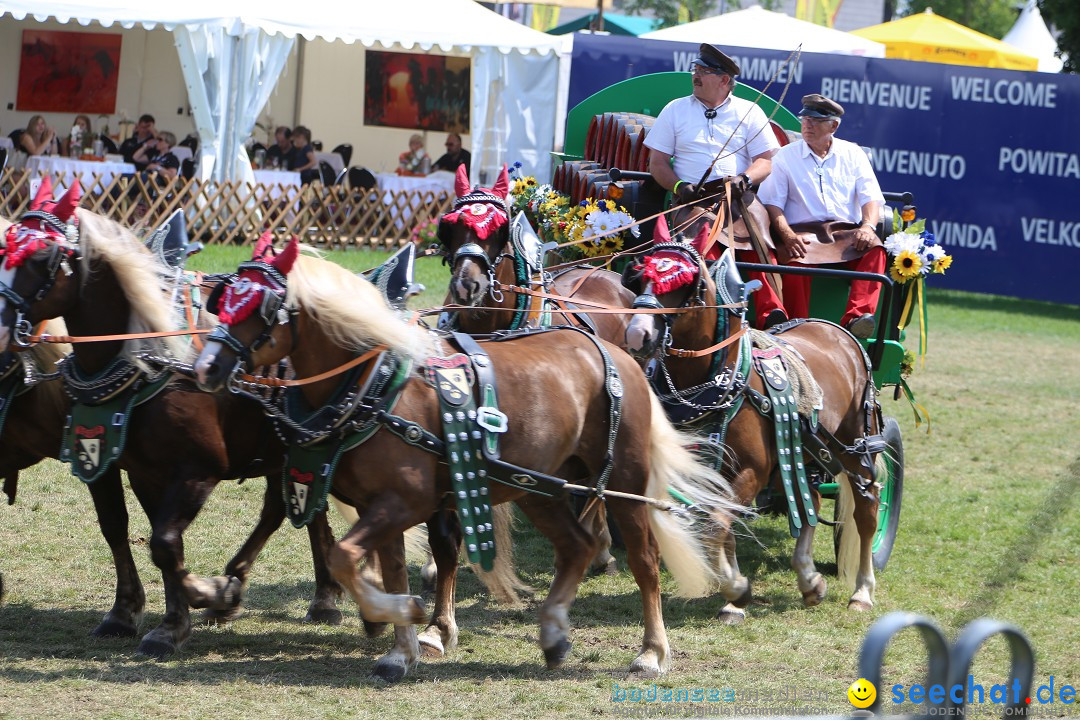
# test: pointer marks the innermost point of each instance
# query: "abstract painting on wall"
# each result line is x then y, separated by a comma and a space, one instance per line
68, 72
417, 92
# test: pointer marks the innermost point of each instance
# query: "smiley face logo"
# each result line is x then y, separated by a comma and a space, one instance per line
862, 693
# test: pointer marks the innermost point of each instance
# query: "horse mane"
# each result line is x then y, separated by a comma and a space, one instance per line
140, 276
351, 311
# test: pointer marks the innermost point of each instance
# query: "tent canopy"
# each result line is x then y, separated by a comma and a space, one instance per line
613, 23
231, 55
758, 28
446, 24
932, 38
1030, 35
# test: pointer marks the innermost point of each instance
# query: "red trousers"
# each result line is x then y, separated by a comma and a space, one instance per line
765, 299
862, 300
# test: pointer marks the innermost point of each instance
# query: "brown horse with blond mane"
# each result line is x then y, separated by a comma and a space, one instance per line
702, 360
564, 383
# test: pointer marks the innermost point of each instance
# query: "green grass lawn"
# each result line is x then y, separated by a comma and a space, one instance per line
990, 528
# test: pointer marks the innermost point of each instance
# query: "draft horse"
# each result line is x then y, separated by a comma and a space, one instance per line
489, 255
558, 422
710, 372
180, 442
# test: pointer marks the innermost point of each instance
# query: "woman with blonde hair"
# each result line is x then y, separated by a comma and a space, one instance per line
38, 138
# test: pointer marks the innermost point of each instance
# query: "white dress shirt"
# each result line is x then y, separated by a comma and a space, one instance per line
683, 131
808, 188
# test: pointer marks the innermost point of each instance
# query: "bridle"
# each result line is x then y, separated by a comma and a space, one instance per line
272, 309
471, 250
648, 300
60, 255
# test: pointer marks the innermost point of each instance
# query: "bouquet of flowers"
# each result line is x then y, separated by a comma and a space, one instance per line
592, 227
425, 233
913, 254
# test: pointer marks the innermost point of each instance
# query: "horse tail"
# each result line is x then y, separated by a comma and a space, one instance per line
501, 581
674, 467
849, 547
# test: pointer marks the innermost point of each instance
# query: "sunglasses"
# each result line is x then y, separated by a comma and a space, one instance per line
701, 70
815, 120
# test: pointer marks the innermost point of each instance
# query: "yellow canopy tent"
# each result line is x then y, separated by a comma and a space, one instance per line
932, 38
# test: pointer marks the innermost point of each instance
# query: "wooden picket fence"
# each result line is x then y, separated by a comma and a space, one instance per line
336, 216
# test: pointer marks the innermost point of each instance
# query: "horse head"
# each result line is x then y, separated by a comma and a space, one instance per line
35, 263
671, 275
474, 237
257, 327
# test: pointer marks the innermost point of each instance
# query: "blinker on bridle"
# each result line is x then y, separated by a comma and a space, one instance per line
272, 311
59, 254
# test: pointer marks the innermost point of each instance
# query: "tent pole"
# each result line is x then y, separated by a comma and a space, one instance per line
301, 44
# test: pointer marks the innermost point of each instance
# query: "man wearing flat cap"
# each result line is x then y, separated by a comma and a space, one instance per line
710, 136
824, 204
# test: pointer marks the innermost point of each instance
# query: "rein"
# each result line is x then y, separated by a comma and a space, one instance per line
47, 338
679, 353
277, 382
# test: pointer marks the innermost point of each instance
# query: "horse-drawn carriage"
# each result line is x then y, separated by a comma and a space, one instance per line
605, 157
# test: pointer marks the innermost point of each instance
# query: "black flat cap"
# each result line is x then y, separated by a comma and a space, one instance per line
709, 56
820, 106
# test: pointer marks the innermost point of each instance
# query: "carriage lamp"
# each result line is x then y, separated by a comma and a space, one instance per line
614, 191
907, 214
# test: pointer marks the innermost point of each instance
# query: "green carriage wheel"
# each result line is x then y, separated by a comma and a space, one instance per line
891, 477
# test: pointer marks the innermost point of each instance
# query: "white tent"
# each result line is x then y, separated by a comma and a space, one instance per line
1031, 35
231, 62
758, 28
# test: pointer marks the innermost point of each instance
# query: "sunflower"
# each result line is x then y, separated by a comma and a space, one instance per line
941, 264
906, 266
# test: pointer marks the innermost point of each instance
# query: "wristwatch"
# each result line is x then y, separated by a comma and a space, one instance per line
746, 178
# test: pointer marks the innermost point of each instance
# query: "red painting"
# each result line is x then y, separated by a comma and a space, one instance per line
418, 92
68, 72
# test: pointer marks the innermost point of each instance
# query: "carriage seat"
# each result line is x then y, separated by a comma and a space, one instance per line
169, 242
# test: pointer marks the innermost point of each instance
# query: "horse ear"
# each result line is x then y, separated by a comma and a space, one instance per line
701, 242
65, 207
461, 182
283, 263
660, 232
502, 185
44, 194
264, 247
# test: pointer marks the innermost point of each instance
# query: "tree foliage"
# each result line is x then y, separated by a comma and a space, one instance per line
1064, 15
990, 17
676, 12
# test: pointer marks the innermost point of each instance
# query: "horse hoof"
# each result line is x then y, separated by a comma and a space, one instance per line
110, 628
645, 665
325, 616
390, 671
745, 599
731, 616
431, 645
214, 616
156, 648
375, 629
556, 656
416, 612
609, 567
816, 594
859, 606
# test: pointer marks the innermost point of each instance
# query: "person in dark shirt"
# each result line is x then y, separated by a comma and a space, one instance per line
303, 158
280, 154
156, 156
455, 155
145, 131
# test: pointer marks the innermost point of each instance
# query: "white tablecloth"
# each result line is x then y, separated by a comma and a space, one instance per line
437, 182
277, 180
84, 169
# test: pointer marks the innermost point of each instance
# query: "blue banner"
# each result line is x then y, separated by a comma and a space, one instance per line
992, 156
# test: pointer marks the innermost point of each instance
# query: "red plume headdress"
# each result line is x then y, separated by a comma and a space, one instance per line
265, 273
482, 209
47, 221
670, 266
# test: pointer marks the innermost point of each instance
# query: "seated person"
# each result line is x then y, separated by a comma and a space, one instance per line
39, 138
455, 155
303, 158
145, 131
82, 138
415, 161
820, 179
278, 154
715, 136
155, 156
